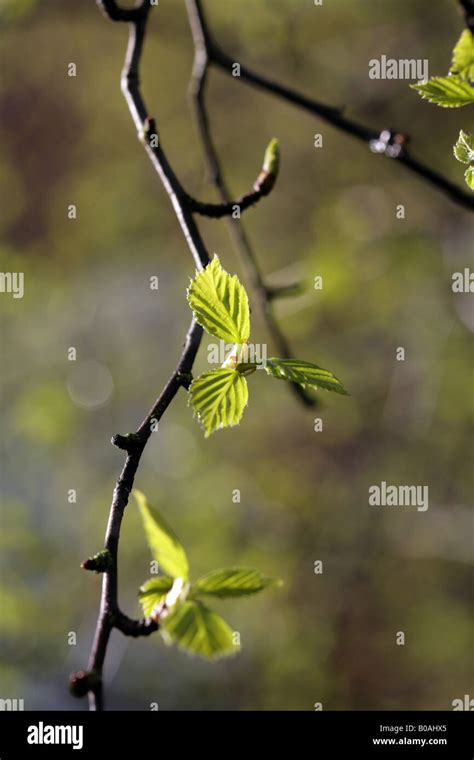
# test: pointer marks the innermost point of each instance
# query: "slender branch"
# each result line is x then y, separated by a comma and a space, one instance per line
110, 615
467, 6
228, 207
241, 242
335, 117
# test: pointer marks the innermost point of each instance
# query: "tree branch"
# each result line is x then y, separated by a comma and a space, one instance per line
216, 56
241, 242
110, 615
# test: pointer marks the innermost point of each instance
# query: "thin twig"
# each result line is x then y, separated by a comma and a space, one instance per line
110, 615
467, 6
239, 237
334, 116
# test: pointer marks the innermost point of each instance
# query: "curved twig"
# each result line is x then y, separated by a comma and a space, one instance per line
265, 293
110, 615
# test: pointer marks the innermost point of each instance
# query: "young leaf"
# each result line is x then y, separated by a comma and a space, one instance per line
271, 164
448, 92
232, 582
153, 592
463, 56
464, 148
219, 398
304, 373
469, 177
163, 543
220, 304
197, 629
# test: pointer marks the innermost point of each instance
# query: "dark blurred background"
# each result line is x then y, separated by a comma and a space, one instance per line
327, 638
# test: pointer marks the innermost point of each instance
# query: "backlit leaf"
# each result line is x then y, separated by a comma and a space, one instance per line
469, 177
198, 630
306, 374
232, 582
448, 92
464, 148
153, 592
163, 543
463, 56
220, 304
219, 398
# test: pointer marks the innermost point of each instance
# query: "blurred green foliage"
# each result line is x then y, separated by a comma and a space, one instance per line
326, 637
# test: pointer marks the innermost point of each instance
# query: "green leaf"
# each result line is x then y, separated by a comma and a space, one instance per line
464, 148
232, 581
304, 373
271, 165
220, 304
198, 630
469, 177
271, 160
163, 543
463, 56
219, 398
448, 92
153, 592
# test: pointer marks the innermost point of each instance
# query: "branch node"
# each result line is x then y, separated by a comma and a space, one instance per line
100, 562
185, 379
148, 131
83, 681
113, 11
128, 442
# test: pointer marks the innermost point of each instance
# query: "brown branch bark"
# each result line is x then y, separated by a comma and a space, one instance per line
110, 615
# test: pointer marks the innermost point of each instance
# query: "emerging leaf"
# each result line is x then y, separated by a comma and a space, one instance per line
304, 373
464, 148
463, 56
163, 543
448, 92
232, 582
469, 177
198, 630
153, 592
219, 398
271, 161
220, 304
271, 165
